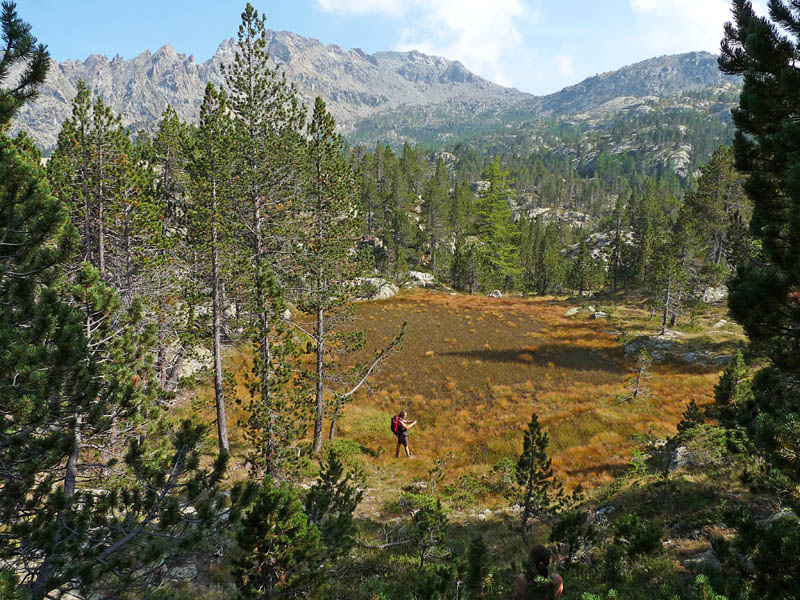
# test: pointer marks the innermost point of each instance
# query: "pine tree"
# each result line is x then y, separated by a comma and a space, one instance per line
269, 119
764, 293
586, 271
548, 269
710, 209
209, 168
20, 47
329, 258
477, 568
691, 417
76, 389
428, 528
540, 490
496, 229
172, 297
93, 168
651, 213
331, 502
279, 549
433, 209
733, 395
399, 228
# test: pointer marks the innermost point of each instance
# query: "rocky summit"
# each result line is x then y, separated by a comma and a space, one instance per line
355, 84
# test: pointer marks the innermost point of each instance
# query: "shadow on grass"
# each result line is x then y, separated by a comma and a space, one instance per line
683, 504
616, 470
561, 355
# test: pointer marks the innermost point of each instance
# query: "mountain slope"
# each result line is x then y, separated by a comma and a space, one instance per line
601, 97
355, 84
663, 76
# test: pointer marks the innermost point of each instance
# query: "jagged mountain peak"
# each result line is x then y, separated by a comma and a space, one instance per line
359, 88
354, 83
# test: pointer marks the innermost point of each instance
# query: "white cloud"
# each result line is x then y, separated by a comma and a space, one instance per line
361, 7
484, 36
671, 26
565, 65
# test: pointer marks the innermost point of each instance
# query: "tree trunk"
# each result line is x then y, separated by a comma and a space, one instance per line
667, 302
264, 346
174, 371
87, 201
101, 226
42, 584
161, 350
219, 394
332, 429
127, 293
526, 510
319, 400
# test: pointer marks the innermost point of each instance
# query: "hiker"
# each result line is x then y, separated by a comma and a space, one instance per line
400, 427
542, 584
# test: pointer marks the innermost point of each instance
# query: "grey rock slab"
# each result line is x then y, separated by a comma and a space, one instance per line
705, 561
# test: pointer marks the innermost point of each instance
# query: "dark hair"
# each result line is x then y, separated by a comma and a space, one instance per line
403, 414
540, 557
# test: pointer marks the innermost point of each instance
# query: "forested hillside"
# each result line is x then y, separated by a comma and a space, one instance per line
208, 325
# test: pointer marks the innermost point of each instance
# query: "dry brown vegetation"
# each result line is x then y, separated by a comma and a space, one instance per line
472, 369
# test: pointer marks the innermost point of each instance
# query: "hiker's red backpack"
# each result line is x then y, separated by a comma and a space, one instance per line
396, 427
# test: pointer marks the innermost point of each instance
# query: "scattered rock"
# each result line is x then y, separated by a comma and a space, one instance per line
670, 334
200, 358
495, 294
601, 514
719, 324
286, 315
681, 459
376, 288
714, 294
783, 513
723, 360
660, 348
420, 279
600, 315
691, 357
484, 514
416, 486
479, 187
706, 561
571, 312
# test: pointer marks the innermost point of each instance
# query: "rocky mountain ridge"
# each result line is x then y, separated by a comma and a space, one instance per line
355, 84
395, 97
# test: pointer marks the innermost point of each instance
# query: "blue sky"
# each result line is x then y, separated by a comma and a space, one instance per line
538, 46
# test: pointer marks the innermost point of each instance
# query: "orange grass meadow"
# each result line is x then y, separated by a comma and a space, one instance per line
472, 369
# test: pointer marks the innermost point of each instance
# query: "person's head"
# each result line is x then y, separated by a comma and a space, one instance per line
540, 557
403, 414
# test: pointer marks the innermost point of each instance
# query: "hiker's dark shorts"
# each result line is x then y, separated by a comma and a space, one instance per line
402, 438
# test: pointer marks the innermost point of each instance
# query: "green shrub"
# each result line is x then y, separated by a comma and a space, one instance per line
9, 589
574, 529
641, 537
348, 451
